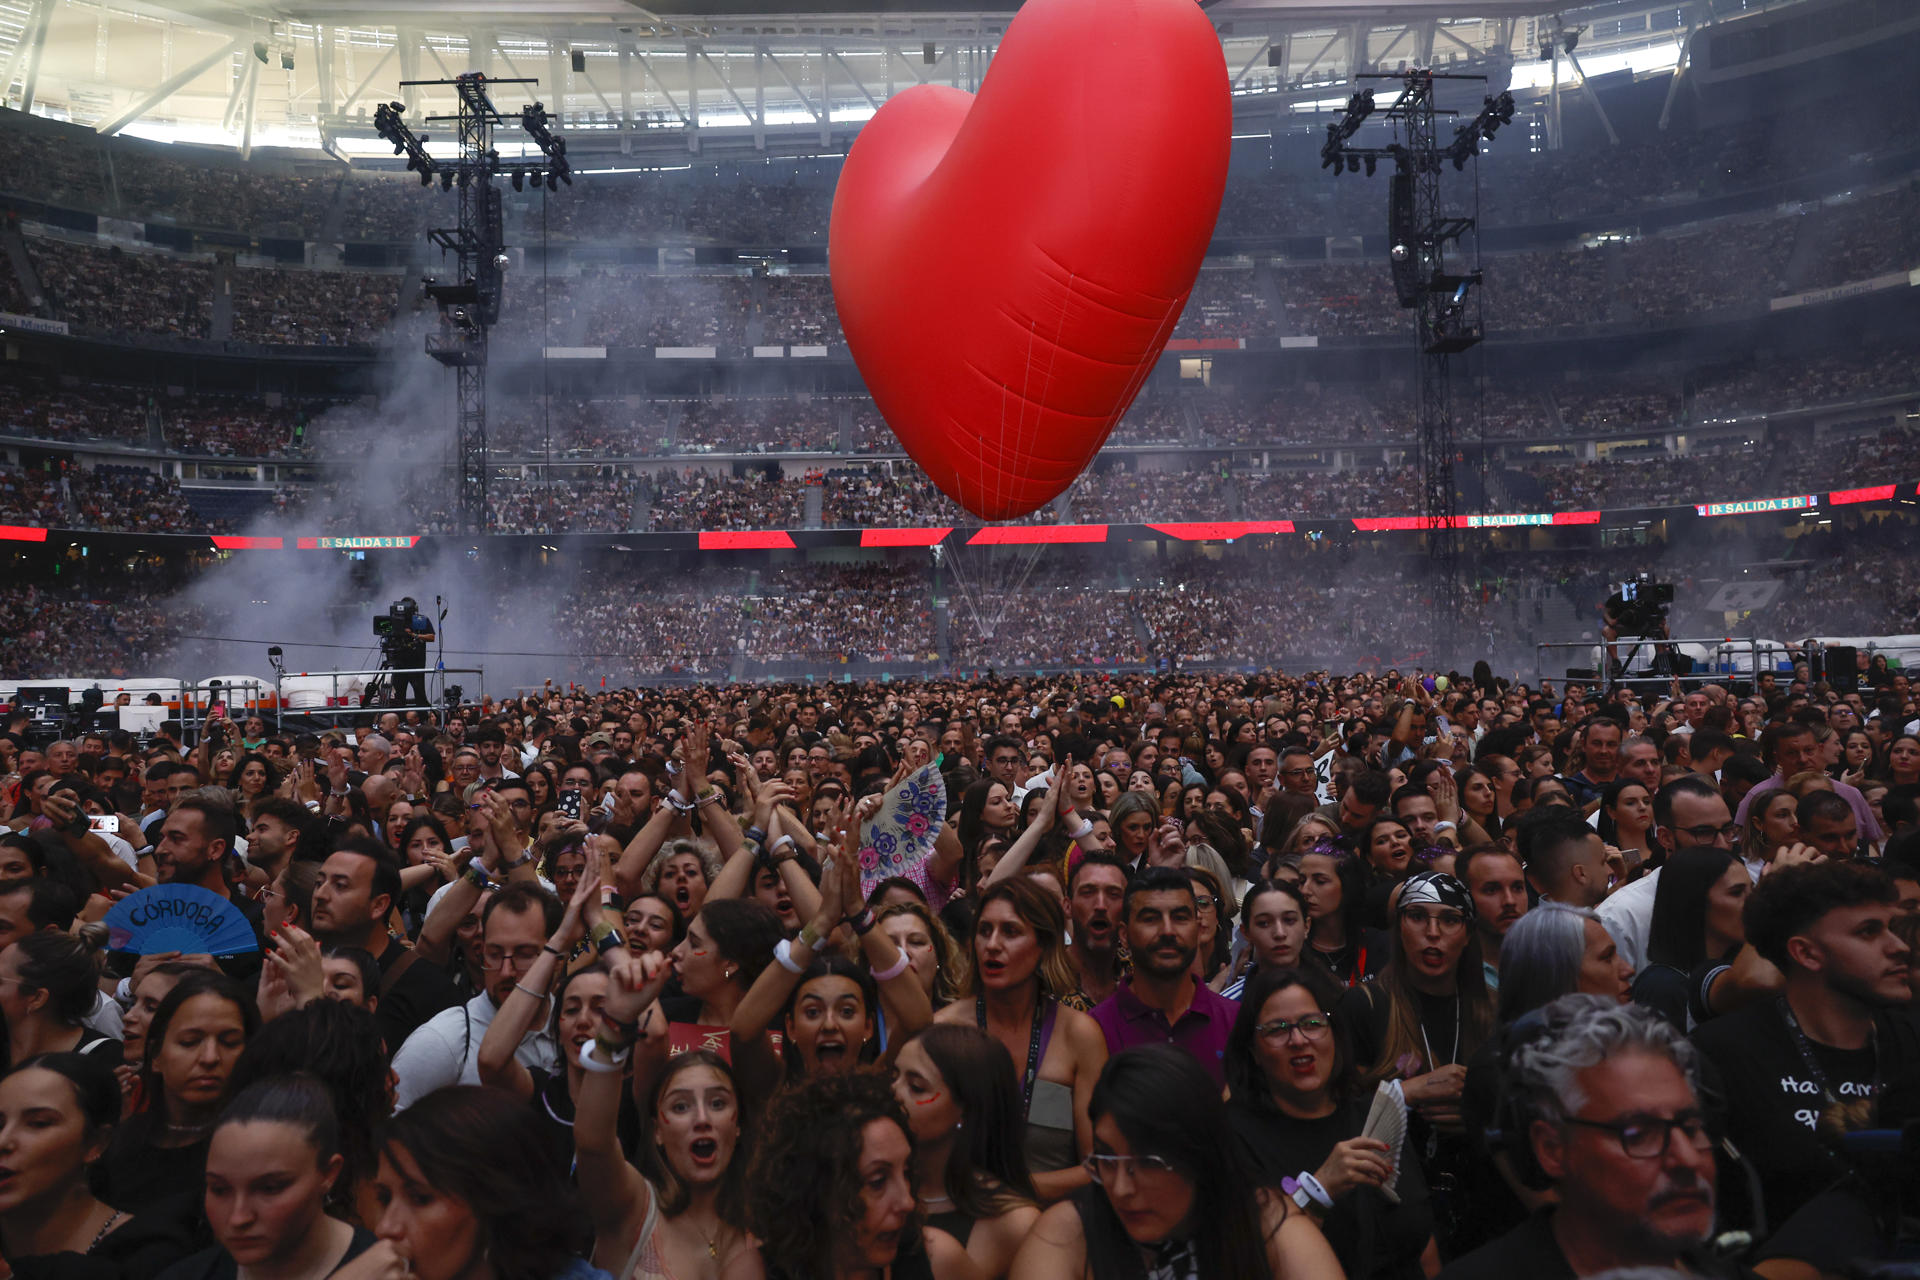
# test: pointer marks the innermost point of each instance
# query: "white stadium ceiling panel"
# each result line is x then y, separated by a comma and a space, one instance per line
708, 77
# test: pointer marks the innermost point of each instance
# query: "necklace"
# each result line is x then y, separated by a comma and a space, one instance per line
113, 1217
1452, 1057
713, 1250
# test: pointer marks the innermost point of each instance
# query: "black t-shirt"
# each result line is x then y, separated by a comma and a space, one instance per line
1774, 1103
1529, 1252
146, 1244
217, 1264
1366, 1011
554, 1105
136, 1176
1374, 1238
419, 993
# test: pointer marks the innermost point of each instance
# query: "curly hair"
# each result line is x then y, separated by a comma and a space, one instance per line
803, 1189
709, 862
1790, 900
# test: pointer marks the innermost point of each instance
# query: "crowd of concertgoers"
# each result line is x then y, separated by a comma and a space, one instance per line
1185, 976
1622, 407
892, 492
1738, 263
1280, 599
1164, 916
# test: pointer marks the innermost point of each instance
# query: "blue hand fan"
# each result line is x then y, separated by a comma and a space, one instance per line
178, 917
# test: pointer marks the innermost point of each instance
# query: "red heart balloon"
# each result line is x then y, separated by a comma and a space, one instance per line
1008, 265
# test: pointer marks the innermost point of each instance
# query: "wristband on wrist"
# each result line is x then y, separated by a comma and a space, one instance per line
1315, 1192
552, 950
476, 873
526, 856
757, 834
1084, 829
787, 843
809, 938
863, 923
894, 970
783, 956
617, 1056
710, 796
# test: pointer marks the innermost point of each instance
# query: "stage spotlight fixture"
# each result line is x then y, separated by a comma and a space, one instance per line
1371, 162
286, 60
501, 261
519, 179
553, 180
260, 51
446, 179
1353, 164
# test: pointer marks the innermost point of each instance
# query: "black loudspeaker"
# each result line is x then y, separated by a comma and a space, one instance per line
1403, 241
579, 60
927, 53
1843, 668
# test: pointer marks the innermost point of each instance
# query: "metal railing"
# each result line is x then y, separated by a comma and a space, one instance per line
1721, 651
346, 689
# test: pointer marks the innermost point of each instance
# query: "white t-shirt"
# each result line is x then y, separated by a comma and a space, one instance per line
1628, 915
445, 1050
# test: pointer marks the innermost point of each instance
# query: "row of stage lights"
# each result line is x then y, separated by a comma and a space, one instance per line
389, 123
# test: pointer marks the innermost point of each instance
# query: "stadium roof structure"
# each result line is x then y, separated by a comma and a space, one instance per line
709, 78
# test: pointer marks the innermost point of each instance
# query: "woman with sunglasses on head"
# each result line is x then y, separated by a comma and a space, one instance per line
1298, 1107
1171, 1193
962, 1100
271, 1168
1698, 964
57, 1115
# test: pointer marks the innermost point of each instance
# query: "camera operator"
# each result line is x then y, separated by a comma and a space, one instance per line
1634, 609
407, 652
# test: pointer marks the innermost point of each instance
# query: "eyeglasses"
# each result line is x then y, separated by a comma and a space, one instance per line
1447, 920
1648, 1137
1313, 1027
497, 957
1100, 1168
1296, 773
1708, 834
1206, 902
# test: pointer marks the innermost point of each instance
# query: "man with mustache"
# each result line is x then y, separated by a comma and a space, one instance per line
1096, 894
1607, 1113
1838, 1048
1163, 1002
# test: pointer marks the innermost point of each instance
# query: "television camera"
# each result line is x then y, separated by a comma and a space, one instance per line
1639, 606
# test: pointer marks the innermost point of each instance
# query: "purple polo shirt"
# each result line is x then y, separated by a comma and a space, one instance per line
1201, 1031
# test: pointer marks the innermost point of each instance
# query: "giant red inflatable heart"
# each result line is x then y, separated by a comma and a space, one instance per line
1008, 265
